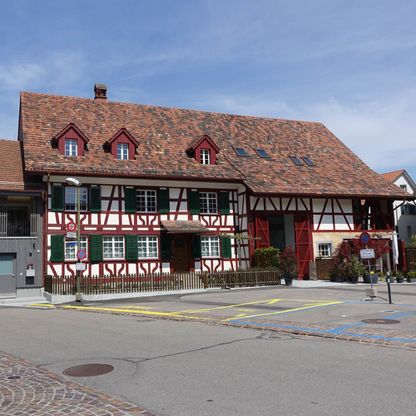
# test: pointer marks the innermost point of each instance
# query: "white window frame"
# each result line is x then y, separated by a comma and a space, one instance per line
328, 250
205, 156
148, 195
111, 240
122, 151
75, 249
208, 202
210, 247
71, 147
148, 241
70, 198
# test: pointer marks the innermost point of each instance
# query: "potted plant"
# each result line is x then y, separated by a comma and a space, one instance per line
354, 269
399, 277
288, 265
411, 276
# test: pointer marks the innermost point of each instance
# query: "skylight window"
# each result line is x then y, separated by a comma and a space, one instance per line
241, 152
262, 153
307, 160
296, 160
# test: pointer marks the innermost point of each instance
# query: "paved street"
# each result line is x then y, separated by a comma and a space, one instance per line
182, 366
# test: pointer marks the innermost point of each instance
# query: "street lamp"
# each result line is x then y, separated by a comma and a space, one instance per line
77, 184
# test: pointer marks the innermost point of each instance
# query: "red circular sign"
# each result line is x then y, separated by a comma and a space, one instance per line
71, 226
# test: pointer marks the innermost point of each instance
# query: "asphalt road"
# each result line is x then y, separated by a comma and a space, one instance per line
191, 368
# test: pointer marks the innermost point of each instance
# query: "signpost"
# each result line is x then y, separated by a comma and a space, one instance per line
81, 254
71, 227
367, 253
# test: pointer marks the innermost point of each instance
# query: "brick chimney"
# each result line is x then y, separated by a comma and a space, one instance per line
100, 91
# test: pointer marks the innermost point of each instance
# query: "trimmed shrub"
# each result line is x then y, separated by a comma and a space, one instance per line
266, 258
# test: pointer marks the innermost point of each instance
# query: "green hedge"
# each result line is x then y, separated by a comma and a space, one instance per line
266, 258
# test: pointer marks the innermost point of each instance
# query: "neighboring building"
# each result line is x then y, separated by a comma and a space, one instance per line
21, 208
404, 212
166, 189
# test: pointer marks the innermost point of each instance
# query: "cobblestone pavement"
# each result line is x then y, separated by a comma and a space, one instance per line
28, 390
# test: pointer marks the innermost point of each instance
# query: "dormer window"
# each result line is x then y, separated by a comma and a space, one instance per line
203, 150
122, 145
71, 147
122, 151
205, 157
70, 141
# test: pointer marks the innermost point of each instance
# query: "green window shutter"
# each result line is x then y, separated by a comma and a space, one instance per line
163, 201
95, 199
224, 202
96, 248
226, 247
165, 247
57, 199
131, 247
57, 248
194, 202
129, 200
196, 247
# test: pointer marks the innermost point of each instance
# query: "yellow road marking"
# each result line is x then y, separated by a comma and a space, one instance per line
44, 305
121, 310
286, 310
273, 301
234, 305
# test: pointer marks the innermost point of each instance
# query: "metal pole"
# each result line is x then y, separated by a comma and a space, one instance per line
388, 286
78, 295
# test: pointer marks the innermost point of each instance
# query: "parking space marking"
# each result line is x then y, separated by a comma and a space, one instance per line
310, 306
133, 311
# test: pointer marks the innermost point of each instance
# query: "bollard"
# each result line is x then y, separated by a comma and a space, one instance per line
388, 286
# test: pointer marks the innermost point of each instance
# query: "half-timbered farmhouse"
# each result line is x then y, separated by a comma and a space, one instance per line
165, 189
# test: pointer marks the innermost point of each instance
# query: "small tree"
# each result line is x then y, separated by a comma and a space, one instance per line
288, 262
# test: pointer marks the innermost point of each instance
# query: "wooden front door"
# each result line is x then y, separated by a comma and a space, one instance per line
303, 237
181, 253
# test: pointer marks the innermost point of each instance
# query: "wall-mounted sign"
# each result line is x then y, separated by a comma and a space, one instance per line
367, 253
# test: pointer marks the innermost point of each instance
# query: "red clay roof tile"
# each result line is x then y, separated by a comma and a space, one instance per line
165, 133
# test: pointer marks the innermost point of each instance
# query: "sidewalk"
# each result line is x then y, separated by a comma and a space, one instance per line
28, 390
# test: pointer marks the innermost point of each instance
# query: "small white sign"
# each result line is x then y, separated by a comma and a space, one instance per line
80, 266
30, 272
71, 234
367, 253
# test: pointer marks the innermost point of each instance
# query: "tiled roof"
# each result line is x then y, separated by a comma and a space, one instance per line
165, 133
392, 176
11, 168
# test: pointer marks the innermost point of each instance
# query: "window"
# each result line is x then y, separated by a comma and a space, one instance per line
296, 160
205, 157
71, 198
262, 153
241, 152
122, 151
324, 249
147, 246
208, 202
307, 160
113, 247
210, 246
71, 248
408, 209
71, 147
146, 201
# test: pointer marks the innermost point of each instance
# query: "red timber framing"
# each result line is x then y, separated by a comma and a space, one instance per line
112, 220
303, 239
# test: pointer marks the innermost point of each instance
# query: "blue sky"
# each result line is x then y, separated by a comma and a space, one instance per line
350, 64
